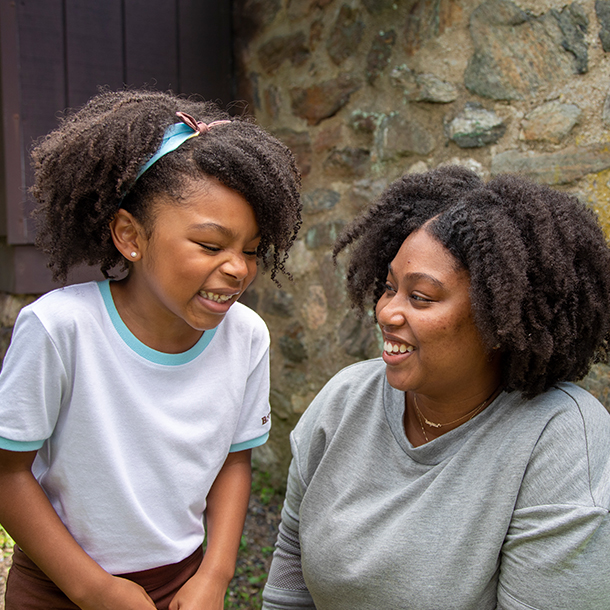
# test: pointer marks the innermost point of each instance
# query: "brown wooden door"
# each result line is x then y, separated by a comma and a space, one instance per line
55, 54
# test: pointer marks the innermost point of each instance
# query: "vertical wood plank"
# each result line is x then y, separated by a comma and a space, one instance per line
12, 173
151, 51
42, 89
55, 54
94, 48
205, 48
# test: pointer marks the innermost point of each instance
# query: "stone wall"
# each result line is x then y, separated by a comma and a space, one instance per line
10, 306
366, 90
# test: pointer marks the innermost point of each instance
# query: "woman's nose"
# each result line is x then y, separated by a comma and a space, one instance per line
391, 313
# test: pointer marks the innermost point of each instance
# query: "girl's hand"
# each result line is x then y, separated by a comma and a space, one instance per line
119, 594
227, 503
199, 593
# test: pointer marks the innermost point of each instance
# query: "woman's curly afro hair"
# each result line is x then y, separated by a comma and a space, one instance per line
538, 262
86, 169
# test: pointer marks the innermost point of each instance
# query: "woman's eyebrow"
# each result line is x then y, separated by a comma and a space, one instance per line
416, 275
425, 276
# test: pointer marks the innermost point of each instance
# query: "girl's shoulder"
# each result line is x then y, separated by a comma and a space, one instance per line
53, 320
245, 321
66, 305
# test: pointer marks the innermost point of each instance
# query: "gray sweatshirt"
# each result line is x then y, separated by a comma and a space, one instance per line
508, 511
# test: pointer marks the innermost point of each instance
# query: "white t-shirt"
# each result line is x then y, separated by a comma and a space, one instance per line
130, 439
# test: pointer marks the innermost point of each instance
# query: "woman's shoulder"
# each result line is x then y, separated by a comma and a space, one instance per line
565, 402
338, 406
572, 448
575, 407
350, 385
358, 383
363, 372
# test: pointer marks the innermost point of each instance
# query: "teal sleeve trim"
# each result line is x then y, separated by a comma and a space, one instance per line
255, 442
9, 445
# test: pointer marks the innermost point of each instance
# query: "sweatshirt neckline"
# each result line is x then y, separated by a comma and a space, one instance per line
438, 449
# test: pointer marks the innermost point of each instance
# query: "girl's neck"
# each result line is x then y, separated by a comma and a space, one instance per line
161, 333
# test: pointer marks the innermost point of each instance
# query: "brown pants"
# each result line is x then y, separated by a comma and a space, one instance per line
28, 588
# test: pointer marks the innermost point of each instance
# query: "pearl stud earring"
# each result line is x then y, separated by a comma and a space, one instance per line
134, 254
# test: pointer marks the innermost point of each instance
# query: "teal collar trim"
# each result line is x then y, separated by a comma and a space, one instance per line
143, 350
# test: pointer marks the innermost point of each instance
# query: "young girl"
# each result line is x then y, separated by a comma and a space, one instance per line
128, 409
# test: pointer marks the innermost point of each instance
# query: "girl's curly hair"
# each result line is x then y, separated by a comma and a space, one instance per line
86, 170
538, 262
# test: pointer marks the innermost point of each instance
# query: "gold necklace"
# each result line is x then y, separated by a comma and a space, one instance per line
421, 423
432, 424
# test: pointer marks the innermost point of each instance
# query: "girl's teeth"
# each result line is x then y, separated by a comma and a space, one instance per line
219, 298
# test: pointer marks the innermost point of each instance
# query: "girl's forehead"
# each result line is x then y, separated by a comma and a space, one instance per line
199, 193
215, 204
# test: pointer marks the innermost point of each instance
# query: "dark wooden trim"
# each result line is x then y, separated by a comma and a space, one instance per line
55, 54
94, 48
42, 87
206, 57
14, 163
151, 44
23, 270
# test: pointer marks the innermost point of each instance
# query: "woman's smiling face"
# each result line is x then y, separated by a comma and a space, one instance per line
431, 343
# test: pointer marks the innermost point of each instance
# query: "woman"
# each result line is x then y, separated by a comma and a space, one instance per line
461, 470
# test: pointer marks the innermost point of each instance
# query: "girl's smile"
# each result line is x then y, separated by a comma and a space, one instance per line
198, 259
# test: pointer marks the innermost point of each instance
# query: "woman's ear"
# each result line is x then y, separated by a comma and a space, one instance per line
127, 235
